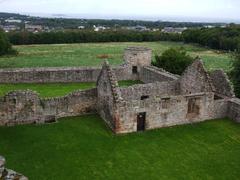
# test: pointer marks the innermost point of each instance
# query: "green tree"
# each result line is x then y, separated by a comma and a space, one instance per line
5, 45
235, 73
173, 60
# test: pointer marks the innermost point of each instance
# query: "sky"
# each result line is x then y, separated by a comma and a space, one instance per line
179, 10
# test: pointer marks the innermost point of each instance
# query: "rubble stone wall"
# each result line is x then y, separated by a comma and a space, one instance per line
221, 83
234, 109
150, 74
195, 79
108, 95
25, 107
51, 75
136, 92
167, 111
170, 111
138, 56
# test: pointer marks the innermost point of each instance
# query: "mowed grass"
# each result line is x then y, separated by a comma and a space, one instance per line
88, 54
55, 89
84, 148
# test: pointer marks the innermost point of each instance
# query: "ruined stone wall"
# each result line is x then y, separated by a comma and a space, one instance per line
138, 56
222, 84
220, 108
20, 107
167, 111
73, 104
150, 74
51, 75
234, 109
136, 92
195, 79
108, 95
24, 107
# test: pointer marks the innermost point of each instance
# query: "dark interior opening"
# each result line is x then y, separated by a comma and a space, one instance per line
141, 120
193, 108
144, 97
134, 70
216, 97
50, 119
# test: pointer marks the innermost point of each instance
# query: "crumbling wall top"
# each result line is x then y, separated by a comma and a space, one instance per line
222, 83
139, 48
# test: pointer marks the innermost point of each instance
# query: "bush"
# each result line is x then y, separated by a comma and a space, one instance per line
235, 73
173, 60
5, 45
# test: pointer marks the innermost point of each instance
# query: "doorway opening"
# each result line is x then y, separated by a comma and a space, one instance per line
141, 121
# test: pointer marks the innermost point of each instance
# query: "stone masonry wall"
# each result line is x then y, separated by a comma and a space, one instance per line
73, 104
138, 56
167, 111
195, 79
151, 74
25, 107
135, 92
51, 75
221, 83
234, 109
108, 95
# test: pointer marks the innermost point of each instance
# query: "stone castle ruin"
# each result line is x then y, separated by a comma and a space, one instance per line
163, 100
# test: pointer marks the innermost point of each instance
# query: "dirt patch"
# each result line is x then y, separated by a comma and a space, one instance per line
104, 56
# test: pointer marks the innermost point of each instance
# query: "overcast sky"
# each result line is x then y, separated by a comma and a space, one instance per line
179, 9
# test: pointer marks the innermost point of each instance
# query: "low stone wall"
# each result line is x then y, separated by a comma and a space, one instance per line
74, 104
25, 107
151, 74
234, 109
53, 75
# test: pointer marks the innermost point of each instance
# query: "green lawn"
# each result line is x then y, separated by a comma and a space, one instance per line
87, 54
55, 89
84, 148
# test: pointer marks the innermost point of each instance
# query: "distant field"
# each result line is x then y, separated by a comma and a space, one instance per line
88, 54
55, 89
84, 148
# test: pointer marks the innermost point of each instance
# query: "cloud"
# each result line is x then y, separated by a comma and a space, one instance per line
189, 8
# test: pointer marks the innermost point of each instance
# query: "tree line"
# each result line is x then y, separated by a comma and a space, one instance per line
216, 38
18, 38
70, 23
5, 45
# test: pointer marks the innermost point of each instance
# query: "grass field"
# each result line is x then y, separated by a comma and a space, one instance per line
84, 148
55, 89
87, 54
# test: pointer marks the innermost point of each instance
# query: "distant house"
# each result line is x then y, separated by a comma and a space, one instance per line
10, 20
209, 26
99, 28
8, 28
33, 28
178, 30
138, 28
81, 27
155, 29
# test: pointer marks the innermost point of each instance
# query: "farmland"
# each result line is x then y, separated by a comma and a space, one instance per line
91, 54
